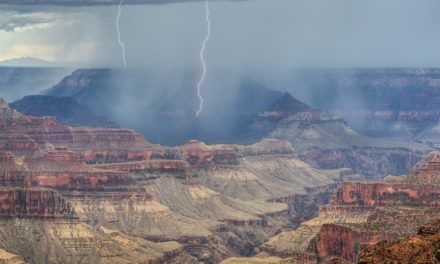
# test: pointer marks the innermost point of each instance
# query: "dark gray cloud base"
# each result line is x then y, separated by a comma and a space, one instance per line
96, 2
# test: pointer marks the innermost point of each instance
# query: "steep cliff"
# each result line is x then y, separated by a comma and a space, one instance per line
362, 214
36, 203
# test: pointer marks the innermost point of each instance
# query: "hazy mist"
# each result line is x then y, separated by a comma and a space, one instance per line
261, 39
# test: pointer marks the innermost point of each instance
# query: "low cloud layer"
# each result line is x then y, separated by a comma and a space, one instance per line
11, 20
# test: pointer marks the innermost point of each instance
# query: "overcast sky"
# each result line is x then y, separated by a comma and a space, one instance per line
245, 34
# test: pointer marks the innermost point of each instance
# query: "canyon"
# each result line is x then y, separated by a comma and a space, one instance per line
100, 195
270, 179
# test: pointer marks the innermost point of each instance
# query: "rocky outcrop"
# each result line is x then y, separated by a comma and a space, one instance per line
59, 169
372, 162
35, 203
197, 154
383, 194
96, 145
362, 214
422, 248
426, 172
334, 240
284, 107
268, 147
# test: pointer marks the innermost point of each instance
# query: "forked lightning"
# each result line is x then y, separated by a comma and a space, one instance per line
202, 58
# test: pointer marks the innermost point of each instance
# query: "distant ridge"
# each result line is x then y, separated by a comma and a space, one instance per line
31, 62
26, 62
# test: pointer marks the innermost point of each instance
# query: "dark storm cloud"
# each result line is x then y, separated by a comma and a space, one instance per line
277, 34
95, 2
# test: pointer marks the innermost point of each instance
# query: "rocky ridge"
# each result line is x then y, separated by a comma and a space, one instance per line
328, 142
379, 102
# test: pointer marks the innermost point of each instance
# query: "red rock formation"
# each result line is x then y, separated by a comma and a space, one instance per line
176, 167
34, 203
419, 249
428, 171
382, 194
198, 154
20, 133
17, 143
60, 169
337, 241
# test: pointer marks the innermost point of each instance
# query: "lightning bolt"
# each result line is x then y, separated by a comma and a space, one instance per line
202, 58
121, 43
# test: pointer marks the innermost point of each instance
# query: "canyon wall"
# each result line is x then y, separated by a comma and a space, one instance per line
362, 214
